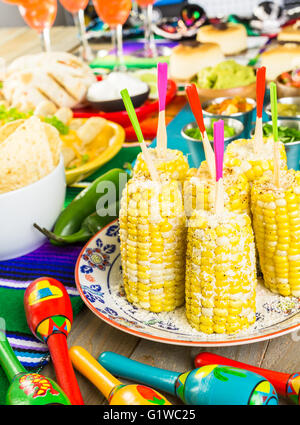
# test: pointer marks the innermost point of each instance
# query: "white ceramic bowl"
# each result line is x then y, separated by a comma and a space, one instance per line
40, 202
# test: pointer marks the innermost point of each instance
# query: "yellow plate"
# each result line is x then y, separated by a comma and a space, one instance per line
114, 135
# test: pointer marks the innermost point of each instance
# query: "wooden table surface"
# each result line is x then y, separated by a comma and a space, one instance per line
96, 336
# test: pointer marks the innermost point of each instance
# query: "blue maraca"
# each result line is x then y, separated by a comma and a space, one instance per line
208, 385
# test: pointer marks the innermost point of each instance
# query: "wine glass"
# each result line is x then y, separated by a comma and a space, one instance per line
40, 15
76, 7
150, 49
115, 13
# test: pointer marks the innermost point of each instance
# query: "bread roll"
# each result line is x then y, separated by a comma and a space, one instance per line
280, 59
232, 39
290, 33
188, 59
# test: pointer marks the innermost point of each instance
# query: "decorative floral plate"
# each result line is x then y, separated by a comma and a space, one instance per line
99, 281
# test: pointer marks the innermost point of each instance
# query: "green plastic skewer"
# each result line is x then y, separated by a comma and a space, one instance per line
136, 126
132, 115
273, 95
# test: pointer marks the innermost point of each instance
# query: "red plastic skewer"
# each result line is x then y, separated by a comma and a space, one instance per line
49, 316
196, 108
286, 384
260, 94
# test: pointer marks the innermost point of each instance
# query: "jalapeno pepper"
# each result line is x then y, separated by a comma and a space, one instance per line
90, 226
79, 216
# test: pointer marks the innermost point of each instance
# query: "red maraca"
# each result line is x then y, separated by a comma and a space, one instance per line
49, 315
286, 384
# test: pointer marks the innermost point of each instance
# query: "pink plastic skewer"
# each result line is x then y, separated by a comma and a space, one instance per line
162, 83
219, 148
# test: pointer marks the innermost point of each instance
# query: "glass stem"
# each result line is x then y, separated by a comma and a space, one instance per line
80, 23
150, 46
119, 49
45, 40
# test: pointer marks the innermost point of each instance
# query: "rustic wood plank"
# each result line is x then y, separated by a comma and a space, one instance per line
282, 355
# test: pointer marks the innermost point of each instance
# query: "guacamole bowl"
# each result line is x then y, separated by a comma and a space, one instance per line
242, 91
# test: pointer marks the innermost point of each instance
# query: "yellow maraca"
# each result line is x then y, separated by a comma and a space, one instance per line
113, 390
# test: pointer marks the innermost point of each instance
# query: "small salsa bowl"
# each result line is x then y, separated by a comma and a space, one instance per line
196, 146
244, 117
292, 149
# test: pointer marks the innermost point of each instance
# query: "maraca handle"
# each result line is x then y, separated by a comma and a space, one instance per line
85, 363
278, 379
8, 359
64, 371
161, 379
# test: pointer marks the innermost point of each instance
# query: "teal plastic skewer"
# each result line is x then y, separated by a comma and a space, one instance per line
164, 380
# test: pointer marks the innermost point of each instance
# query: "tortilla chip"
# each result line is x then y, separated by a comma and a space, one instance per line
7, 129
29, 153
54, 141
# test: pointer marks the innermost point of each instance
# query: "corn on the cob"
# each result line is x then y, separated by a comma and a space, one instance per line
276, 222
199, 191
241, 157
153, 243
220, 272
174, 164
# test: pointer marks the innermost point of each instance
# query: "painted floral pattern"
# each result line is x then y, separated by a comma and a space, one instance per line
101, 286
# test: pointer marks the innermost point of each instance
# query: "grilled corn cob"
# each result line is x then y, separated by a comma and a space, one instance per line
174, 165
240, 156
220, 272
153, 243
276, 223
199, 191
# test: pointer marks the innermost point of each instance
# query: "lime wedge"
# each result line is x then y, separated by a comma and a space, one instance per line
149, 76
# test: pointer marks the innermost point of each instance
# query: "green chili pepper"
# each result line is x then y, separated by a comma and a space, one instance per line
105, 190
90, 226
85, 203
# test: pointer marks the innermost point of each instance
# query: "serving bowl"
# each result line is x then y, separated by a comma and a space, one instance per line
116, 105
285, 100
40, 202
286, 91
292, 149
242, 91
196, 146
114, 136
245, 117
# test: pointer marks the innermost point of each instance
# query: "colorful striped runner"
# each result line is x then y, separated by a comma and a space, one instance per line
15, 276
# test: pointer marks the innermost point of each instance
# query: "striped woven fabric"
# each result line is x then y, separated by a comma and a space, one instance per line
15, 276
